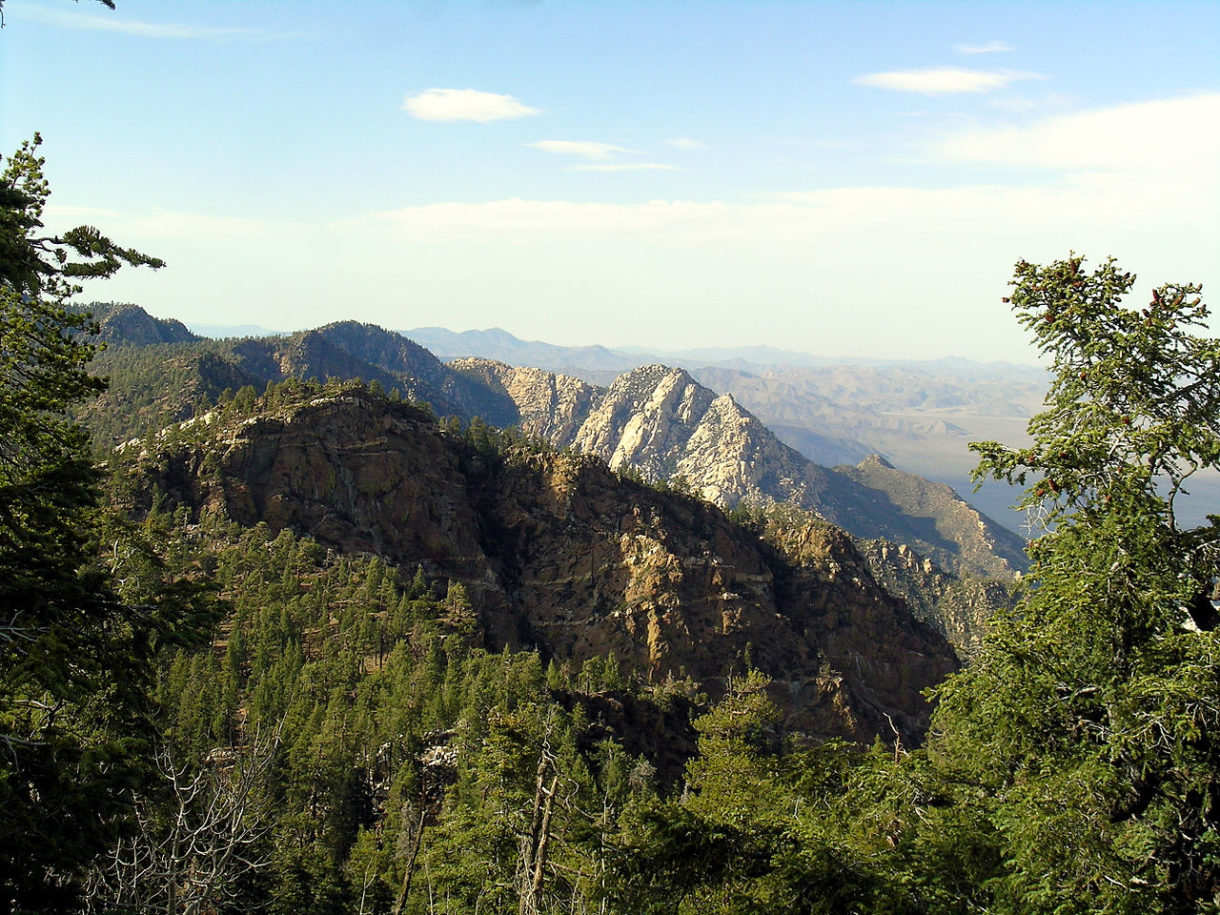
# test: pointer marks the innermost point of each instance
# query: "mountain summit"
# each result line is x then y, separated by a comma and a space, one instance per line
660, 422
558, 552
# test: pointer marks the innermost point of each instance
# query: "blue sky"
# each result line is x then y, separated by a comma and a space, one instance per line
841, 178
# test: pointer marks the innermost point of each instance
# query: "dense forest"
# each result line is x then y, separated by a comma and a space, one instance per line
201, 716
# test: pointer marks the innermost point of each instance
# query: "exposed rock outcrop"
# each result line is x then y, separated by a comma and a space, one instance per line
957, 608
662, 423
549, 406
558, 551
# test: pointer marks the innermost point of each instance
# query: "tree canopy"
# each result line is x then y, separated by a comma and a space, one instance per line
74, 655
1088, 725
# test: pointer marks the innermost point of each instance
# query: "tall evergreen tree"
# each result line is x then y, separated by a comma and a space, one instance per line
73, 656
1087, 729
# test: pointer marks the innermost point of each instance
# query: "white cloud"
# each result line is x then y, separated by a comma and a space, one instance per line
60, 213
943, 80
1136, 181
587, 150
991, 47
686, 143
1174, 139
464, 105
163, 224
85, 22
624, 167
883, 220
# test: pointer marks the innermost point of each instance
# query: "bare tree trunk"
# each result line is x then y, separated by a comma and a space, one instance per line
543, 839
534, 843
192, 862
416, 841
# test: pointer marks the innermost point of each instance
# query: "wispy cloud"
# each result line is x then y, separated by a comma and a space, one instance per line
991, 47
995, 223
625, 167
686, 143
82, 21
465, 105
1119, 181
161, 224
1124, 138
943, 80
1020, 104
585, 149
599, 151
60, 213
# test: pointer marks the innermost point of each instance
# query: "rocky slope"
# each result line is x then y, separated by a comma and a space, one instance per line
920, 414
957, 608
557, 551
980, 544
121, 323
160, 373
654, 420
662, 423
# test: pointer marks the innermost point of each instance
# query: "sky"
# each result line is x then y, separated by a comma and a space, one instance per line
846, 178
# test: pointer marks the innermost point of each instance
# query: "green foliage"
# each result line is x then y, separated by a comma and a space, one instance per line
1089, 718
74, 653
760, 827
1134, 404
489, 441
1073, 765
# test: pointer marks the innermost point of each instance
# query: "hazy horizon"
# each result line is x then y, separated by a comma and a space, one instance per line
850, 179
221, 331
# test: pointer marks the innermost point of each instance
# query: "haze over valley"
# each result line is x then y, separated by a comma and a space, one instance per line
920, 415
518, 457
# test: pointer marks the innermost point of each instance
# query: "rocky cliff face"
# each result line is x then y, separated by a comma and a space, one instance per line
551, 407
120, 324
662, 423
957, 608
982, 546
558, 551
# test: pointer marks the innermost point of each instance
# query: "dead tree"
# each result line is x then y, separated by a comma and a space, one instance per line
189, 849
531, 869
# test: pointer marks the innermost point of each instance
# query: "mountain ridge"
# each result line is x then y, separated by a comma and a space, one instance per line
657, 421
660, 422
558, 552
918, 413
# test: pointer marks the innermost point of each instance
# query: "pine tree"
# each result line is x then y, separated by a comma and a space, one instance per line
1086, 732
74, 658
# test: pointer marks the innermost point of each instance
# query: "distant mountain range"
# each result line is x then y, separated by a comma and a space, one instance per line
497, 343
653, 421
919, 415
558, 553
